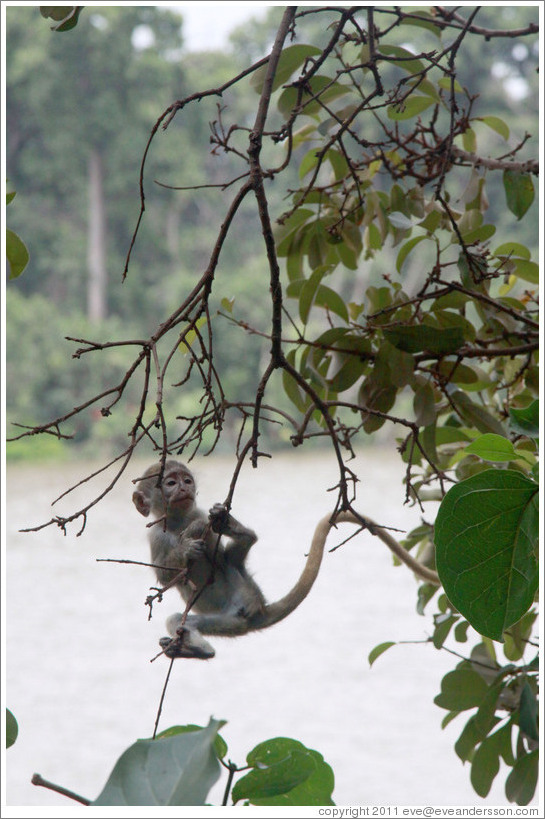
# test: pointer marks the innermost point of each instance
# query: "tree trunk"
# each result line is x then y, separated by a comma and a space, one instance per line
96, 240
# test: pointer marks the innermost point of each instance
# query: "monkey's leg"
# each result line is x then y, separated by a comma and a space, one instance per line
218, 624
185, 641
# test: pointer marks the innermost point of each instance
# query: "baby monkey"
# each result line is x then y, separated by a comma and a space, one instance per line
228, 601
186, 544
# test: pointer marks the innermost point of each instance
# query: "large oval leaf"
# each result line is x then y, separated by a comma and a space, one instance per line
485, 536
170, 770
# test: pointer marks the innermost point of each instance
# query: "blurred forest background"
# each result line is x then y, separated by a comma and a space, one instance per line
80, 108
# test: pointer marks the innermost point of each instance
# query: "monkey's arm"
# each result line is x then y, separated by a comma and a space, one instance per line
174, 551
242, 538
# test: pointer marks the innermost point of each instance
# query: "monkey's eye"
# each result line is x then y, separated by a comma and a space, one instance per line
188, 480
170, 482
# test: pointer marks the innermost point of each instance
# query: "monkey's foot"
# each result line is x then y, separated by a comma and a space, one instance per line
189, 644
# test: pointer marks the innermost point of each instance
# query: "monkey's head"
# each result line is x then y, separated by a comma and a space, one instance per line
176, 493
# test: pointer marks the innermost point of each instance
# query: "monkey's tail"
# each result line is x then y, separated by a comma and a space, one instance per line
274, 612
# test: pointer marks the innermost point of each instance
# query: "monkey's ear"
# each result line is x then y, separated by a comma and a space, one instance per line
141, 502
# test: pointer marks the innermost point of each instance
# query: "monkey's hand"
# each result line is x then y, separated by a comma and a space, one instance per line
219, 518
194, 549
189, 644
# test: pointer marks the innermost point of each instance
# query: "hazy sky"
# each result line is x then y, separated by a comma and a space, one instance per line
207, 25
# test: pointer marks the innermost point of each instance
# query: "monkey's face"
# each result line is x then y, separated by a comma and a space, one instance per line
178, 488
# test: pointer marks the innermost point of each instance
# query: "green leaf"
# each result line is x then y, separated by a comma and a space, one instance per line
521, 783
528, 713
425, 338
174, 770
516, 638
410, 107
10, 197
405, 249
322, 296
496, 124
485, 536
402, 58
308, 163
504, 743
429, 23
378, 396
457, 373
424, 594
66, 15
449, 718
378, 650
475, 415
17, 254
55, 12
220, 746
318, 86
400, 364
191, 336
519, 192
424, 405
460, 632
228, 304
461, 690
308, 292
338, 162
485, 766
469, 140
443, 626
492, 447
283, 233
349, 372
480, 234
291, 387
291, 59
12, 729
526, 420
467, 740
285, 772
509, 249
529, 271
446, 84
399, 220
